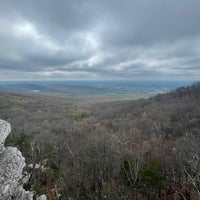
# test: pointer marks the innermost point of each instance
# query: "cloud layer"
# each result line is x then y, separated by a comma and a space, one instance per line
92, 39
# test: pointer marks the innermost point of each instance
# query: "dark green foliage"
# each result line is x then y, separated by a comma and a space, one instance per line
50, 175
21, 141
151, 178
38, 188
78, 113
152, 174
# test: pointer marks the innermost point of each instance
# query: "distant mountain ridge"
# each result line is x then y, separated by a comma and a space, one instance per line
118, 89
192, 90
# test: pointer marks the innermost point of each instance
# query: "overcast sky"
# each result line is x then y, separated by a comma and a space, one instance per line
100, 39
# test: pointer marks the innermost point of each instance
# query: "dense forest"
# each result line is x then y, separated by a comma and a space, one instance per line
117, 150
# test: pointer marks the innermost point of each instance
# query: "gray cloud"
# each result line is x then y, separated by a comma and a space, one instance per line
91, 39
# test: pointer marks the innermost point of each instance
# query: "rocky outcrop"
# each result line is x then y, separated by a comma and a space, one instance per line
5, 129
11, 166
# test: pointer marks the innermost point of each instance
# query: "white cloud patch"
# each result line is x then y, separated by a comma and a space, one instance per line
99, 39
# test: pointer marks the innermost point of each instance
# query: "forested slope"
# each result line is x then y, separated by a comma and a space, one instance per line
144, 149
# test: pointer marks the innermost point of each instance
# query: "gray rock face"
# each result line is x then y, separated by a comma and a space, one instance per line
20, 193
11, 166
5, 130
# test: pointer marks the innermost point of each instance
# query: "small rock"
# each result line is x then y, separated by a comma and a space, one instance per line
42, 197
